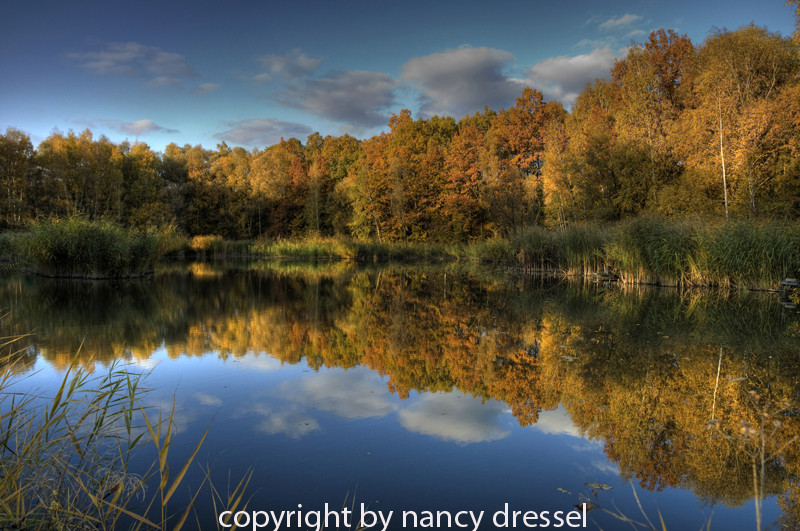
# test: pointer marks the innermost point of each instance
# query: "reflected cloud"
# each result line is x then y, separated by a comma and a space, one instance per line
455, 417
262, 362
557, 422
208, 400
352, 394
606, 467
290, 421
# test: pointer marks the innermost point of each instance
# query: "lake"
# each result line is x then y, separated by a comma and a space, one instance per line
449, 388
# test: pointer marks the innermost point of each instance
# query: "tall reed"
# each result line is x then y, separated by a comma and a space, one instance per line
654, 250
77, 247
748, 254
64, 460
651, 250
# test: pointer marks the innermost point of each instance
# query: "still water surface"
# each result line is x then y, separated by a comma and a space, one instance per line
449, 388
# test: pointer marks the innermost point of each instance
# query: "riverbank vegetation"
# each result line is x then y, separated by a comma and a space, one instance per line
640, 174
640, 250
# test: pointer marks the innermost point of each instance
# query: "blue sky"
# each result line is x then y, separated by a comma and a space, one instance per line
250, 72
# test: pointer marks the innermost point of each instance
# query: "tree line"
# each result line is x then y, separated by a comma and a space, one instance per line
676, 129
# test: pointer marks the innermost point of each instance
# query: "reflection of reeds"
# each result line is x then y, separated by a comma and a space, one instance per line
64, 460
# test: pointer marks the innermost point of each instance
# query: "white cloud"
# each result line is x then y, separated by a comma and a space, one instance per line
623, 21
462, 81
290, 421
134, 59
208, 400
562, 78
294, 65
354, 97
205, 88
635, 33
556, 422
260, 132
352, 394
137, 128
456, 417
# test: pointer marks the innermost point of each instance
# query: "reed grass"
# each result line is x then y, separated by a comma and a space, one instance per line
651, 250
748, 254
648, 250
318, 248
80, 248
6, 246
64, 459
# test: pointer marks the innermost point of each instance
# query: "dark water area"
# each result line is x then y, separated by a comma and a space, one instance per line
447, 388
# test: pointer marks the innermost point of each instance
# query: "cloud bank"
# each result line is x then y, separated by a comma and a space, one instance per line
134, 59
260, 132
355, 97
563, 78
460, 82
137, 128
293, 65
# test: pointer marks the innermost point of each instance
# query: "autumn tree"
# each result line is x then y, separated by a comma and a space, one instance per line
653, 86
279, 177
517, 135
143, 199
229, 169
736, 70
16, 167
464, 201
84, 174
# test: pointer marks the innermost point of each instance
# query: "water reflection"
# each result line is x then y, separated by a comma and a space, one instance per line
685, 390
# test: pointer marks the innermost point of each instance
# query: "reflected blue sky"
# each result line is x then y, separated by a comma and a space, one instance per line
321, 436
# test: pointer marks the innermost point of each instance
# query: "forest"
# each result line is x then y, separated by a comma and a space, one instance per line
676, 130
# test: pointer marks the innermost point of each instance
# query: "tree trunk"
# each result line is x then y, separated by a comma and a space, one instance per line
722, 158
